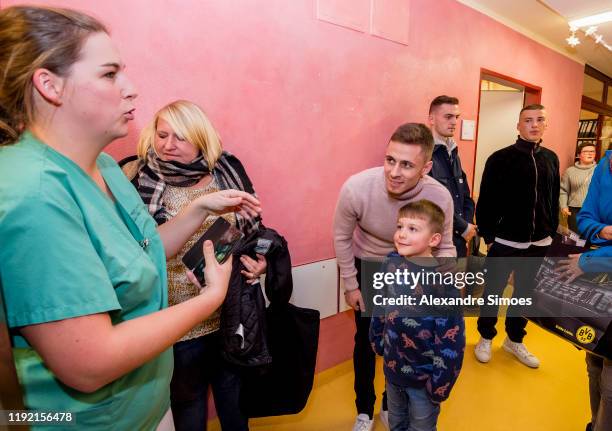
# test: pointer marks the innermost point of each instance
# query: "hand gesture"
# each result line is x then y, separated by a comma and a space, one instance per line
225, 201
570, 268
217, 275
470, 233
566, 211
354, 299
606, 233
253, 268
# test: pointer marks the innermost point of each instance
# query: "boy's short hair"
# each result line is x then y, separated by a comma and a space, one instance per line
427, 210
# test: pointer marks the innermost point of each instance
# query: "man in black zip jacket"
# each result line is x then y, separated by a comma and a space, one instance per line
443, 117
517, 215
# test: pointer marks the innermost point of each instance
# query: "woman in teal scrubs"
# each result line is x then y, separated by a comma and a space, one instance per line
82, 264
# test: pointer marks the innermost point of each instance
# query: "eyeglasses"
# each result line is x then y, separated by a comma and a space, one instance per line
588, 151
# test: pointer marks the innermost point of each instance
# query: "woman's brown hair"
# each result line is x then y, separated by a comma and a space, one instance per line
32, 38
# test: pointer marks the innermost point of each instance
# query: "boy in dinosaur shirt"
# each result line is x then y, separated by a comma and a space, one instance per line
422, 353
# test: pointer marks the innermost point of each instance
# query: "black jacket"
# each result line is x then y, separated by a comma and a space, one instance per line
283, 337
448, 171
243, 318
519, 194
283, 387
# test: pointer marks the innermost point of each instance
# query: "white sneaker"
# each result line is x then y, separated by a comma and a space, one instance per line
482, 350
363, 423
520, 351
384, 418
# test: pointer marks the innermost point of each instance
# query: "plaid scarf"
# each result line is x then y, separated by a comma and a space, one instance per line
155, 174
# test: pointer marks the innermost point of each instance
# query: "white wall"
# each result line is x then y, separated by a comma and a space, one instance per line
315, 285
499, 111
318, 286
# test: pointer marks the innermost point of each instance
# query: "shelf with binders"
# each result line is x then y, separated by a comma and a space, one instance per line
587, 129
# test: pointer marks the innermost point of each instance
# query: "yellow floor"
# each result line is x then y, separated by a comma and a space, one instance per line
498, 396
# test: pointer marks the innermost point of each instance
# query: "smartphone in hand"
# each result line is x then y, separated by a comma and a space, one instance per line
225, 238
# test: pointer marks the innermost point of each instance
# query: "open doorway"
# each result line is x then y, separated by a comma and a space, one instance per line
500, 101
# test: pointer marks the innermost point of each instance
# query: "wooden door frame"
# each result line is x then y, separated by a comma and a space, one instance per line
532, 94
602, 108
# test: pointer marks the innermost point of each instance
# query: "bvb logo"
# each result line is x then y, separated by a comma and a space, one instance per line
585, 334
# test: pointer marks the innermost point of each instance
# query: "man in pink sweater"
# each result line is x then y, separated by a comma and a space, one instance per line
364, 224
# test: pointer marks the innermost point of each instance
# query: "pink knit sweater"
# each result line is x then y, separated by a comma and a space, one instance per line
366, 218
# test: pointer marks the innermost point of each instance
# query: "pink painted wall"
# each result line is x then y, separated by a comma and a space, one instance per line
304, 103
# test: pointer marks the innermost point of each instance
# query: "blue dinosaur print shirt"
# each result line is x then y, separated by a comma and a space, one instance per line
419, 350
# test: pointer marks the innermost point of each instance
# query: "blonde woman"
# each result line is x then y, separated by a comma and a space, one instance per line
82, 263
180, 159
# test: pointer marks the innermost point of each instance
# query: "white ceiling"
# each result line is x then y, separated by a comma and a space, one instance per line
547, 22
573, 9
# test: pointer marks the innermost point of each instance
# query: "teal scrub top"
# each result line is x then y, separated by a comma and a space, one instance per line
68, 250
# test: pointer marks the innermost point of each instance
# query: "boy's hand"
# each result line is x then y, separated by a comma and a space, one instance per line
354, 299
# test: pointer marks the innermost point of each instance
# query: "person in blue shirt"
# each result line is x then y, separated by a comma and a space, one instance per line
82, 263
422, 352
595, 225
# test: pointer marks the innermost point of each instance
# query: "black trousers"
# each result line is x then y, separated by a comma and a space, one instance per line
501, 261
571, 219
460, 245
197, 365
364, 362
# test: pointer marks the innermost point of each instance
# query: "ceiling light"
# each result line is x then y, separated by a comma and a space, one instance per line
591, 23
572, 41
592, 20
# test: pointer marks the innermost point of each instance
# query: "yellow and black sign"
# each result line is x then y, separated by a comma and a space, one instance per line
585, 334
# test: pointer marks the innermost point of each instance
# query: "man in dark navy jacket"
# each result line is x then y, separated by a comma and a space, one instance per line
443, 117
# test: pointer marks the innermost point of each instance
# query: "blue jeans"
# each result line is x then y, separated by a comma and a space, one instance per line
198, 364
410, 409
